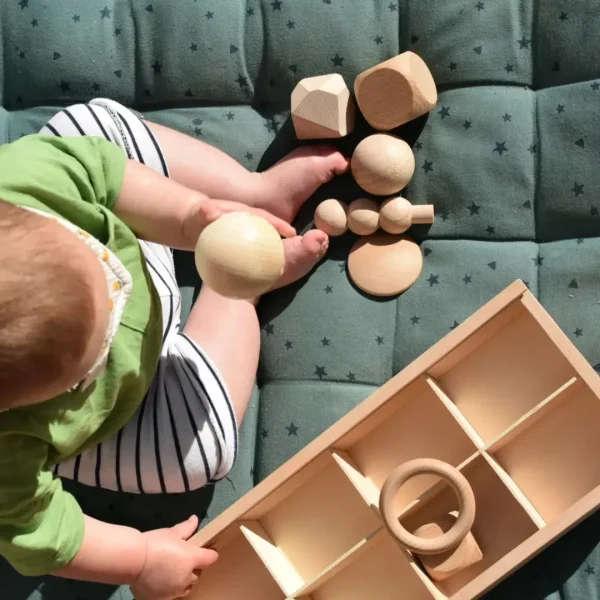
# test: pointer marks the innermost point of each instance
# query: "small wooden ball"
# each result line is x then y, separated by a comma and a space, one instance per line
363, 216
331, 216
395, 215
240, 255
382, 164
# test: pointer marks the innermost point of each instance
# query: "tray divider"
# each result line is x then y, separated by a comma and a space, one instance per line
276, 562
367, 490
455, 412
515, 490
532, 416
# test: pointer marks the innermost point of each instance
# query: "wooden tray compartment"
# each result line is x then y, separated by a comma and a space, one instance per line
239, 573
379, 568
318, 517
501, 521
416, 423
552, 456
502, 371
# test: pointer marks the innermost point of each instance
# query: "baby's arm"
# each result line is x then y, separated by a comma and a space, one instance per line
163, 211
157, 564
109, 554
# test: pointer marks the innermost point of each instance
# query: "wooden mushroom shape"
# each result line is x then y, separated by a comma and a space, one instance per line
397, 214
447, 545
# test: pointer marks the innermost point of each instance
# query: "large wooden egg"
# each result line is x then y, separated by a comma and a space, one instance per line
382, 164
240, 255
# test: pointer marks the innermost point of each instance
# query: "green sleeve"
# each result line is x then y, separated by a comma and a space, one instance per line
41, 525
61, 173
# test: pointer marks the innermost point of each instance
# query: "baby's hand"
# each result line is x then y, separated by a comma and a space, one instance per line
207, 211
172, 563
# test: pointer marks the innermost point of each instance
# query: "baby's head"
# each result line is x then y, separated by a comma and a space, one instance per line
54, 308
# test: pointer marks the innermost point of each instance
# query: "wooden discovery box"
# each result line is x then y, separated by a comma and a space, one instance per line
505, 397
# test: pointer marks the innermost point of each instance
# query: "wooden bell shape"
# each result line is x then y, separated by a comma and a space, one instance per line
397, 214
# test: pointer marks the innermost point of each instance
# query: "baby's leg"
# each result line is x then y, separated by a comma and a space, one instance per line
228, 330
281, 190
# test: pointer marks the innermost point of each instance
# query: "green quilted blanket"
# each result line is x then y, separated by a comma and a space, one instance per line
509, 158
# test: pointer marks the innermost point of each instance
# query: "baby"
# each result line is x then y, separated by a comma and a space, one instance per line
99, 383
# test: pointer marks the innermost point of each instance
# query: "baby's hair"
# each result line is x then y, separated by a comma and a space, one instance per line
46, 307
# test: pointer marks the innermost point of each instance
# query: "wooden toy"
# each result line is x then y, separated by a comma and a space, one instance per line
322, 107
447, 564
331, 216
383, 264
363, 216
240, 255
505, 398
395, 91
382, 164
446, 545
397, 214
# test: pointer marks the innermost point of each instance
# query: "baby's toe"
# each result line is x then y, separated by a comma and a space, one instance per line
315, 243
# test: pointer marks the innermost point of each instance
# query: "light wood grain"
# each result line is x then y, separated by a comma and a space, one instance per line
396, 91
381, 571
276, 562
382, 164
240, 255
422, 426
501, 523
554, 461
385, 265
322, 107
363, 216
465, 498
319, 522
572, 405
239, 573
447, 564
331, 216
499, 383
397, 214
373, 410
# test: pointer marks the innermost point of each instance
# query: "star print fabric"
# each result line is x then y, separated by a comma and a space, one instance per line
509, 158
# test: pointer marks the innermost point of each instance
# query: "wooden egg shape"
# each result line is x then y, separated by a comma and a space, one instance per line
240, 255
331, 216
363, 216
395, 215
384, 265
382, 164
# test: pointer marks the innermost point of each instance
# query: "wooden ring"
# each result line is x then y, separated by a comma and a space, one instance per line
462, 489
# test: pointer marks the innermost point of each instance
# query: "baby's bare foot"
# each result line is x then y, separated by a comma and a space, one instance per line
288, 184
302, 253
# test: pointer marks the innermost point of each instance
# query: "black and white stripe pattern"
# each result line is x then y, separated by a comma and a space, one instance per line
184, 435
